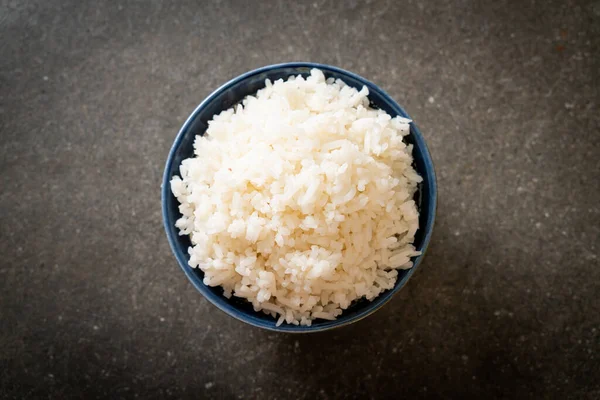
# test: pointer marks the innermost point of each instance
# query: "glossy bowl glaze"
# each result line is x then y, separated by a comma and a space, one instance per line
227, 96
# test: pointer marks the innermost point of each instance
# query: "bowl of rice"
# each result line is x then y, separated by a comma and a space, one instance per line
299, 197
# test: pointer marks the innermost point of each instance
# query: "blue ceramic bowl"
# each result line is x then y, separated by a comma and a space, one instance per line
230, 94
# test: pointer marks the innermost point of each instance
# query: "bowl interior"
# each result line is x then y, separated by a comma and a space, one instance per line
229, 95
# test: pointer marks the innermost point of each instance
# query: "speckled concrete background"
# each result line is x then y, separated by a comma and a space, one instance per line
93, 304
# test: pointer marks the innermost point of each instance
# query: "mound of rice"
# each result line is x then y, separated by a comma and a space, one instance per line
300, 199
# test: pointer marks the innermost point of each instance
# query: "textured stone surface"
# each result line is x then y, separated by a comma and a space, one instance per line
93, 304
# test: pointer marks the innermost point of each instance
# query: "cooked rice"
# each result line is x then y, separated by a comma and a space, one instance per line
300, 199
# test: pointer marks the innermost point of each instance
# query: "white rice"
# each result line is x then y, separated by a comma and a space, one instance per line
300, 199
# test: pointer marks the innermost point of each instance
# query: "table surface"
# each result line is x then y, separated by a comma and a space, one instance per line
506, 303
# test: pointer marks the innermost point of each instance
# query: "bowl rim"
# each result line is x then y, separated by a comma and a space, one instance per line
219, 301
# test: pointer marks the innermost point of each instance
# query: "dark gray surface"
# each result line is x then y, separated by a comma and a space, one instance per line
93, 304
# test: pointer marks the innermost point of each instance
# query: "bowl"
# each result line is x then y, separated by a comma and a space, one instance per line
227, 96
